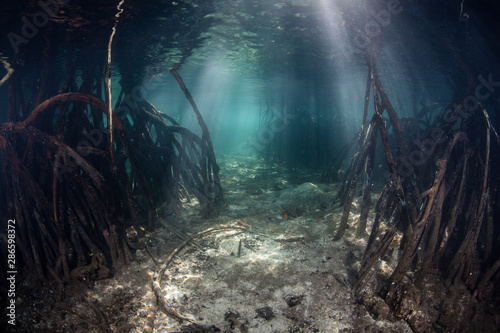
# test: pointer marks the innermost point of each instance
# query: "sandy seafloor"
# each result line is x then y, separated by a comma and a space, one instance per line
289, 275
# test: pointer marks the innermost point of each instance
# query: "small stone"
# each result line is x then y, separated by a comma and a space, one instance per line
232, 318
253, 189
230, 315
266, 312
293, 300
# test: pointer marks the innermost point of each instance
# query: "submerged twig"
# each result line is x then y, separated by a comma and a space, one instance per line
108, 86
211, 163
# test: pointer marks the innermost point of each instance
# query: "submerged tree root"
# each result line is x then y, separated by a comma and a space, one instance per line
77, 172
70, 197
159, 302
436, 232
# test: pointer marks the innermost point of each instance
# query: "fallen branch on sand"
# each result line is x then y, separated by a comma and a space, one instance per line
159, 301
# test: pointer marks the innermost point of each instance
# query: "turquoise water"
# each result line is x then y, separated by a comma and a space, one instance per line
245, 57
